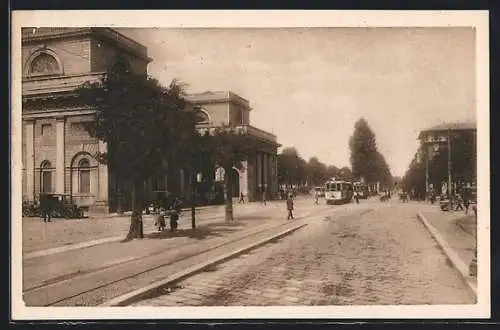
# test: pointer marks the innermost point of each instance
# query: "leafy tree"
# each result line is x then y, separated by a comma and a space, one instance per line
332, 171
345, 174
316, 171
144, 125
196, 159
463, 159
366, 160
227, 149
291, 167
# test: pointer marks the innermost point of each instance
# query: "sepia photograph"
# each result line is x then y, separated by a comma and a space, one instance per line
195, 164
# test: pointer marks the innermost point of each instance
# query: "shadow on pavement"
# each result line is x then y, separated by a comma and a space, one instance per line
199, 233
251, 217
468, 224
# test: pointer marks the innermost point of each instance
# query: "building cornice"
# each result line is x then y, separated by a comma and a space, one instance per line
57, 113
101, 33
217, 97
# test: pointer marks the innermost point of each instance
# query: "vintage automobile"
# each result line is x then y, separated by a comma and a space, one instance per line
31, 209
63, 207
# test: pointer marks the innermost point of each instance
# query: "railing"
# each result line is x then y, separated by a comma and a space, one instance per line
243, 129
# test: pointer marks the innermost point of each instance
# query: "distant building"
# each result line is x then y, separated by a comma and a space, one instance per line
58, 155
463, 165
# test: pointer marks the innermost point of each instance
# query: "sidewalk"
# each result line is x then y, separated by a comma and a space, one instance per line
458, 231
53, 278
41, 238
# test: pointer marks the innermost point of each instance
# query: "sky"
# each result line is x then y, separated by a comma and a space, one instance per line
309, 86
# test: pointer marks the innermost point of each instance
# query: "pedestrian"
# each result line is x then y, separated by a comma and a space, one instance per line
316, 197
356, 197
264, 197
45, 208
289, 206
160, 220
459, 201
242, 198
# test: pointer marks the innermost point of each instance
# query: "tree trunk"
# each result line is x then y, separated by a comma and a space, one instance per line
136, 226
229, 194
193, 200
119, 205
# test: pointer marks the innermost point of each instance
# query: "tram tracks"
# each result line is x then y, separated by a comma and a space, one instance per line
95, 286
68, 287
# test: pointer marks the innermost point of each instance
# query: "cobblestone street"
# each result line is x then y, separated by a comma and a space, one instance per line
366, 254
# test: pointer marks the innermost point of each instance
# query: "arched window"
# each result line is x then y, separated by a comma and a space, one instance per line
46, 177
84, 176
44, 64
201, 116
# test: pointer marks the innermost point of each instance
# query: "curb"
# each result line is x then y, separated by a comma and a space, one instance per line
138, 294
85, 244
457, 263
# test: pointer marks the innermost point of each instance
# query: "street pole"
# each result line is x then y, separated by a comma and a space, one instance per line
426, 173
193, 199
449, 170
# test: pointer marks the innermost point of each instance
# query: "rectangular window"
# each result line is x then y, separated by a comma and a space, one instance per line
46, 129
84, 181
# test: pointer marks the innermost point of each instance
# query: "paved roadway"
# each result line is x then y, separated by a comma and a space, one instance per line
368, 254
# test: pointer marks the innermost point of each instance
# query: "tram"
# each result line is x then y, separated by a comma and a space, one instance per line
361, 189
338, 192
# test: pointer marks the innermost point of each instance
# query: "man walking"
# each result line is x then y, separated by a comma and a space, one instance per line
356, 197
289, 206
45, 207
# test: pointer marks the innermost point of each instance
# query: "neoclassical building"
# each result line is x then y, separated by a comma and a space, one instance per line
58, 155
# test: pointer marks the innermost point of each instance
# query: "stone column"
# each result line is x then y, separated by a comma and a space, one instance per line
265, 169
101, 204
30, 160
244, 179
60, 123
259, 170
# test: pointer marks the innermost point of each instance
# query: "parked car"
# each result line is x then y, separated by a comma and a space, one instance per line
63, 206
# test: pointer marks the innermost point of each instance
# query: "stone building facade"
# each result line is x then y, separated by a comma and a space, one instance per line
58, 155
258, 174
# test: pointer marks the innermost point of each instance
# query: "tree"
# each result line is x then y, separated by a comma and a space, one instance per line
332, 171
316, 171
144, 125
196, 159
228, 148
366, 160
291, 167
463, 159
345, 174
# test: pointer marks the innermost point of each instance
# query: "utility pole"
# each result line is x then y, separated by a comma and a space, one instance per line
449, 171
427, 173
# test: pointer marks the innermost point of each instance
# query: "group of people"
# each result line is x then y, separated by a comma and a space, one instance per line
173, 211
